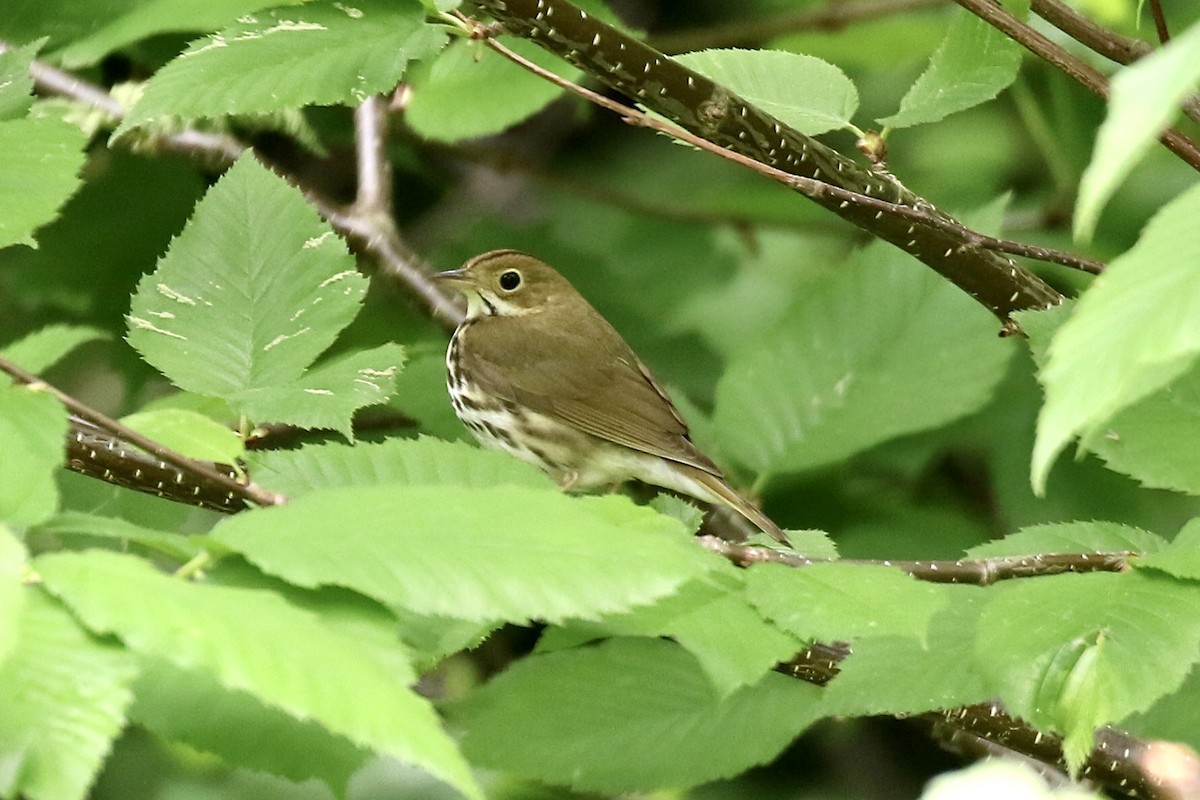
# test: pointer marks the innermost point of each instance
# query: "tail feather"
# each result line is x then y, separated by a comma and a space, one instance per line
730, 497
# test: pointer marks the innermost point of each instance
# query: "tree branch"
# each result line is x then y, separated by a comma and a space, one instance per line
713, 113
811, 188
93, 452
976, 571
204, 471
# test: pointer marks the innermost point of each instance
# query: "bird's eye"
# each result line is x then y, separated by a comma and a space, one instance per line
510, 280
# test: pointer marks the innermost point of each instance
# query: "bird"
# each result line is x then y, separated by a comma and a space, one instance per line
534, 370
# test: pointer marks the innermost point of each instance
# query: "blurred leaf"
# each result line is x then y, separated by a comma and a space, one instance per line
471, 91
1145, 97
804, 92
72, 691
188, 705
253, 641
16, 84
396, 462
46, 346
506, 552
863, 357
40, 159
74, 523
12, 594
629, 715
194, 435
317, 53
33, 428
1132, 315
973, 64
1071, 652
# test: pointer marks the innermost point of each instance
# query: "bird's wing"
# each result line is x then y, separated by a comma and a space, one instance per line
595, 384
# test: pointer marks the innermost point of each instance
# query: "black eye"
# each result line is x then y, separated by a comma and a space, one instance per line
510, 280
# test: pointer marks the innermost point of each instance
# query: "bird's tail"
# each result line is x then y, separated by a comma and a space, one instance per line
730, 497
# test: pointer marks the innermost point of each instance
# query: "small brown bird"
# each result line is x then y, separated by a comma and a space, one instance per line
536, 371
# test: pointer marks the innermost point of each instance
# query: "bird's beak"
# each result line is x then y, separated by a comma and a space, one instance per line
456, 279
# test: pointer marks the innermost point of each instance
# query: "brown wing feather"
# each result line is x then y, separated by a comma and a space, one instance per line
593, 382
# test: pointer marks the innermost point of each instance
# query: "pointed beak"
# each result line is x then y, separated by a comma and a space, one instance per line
455, 278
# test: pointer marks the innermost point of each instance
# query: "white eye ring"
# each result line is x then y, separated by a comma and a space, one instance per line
509, 280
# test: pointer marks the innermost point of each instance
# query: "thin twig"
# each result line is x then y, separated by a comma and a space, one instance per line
374, 168
974, 571
809, 187
247, 491
996, 16
1160, 21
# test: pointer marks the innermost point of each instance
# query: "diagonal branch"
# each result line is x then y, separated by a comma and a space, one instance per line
712, 112
203, 470
811, 188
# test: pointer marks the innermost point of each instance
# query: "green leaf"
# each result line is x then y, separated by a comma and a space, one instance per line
249, 294
190, 706
839, 602
712, 619
482, 554
806, 93
1145, 98
1071, 537
395, 462
861, 358
40, 159
629, 715
254, 641
328, 395
44, 347
16, 84
973, 64
316, 53
187, 432
813, 544
179, 546
1072, 652
1134, 315
1181, 557
890, 674
12, 593
33, 428
64, 702
1154, 439
470, 91
149, 18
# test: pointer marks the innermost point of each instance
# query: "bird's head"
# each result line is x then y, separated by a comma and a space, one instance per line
507, 283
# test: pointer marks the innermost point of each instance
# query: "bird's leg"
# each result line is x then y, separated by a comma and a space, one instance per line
568, 479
